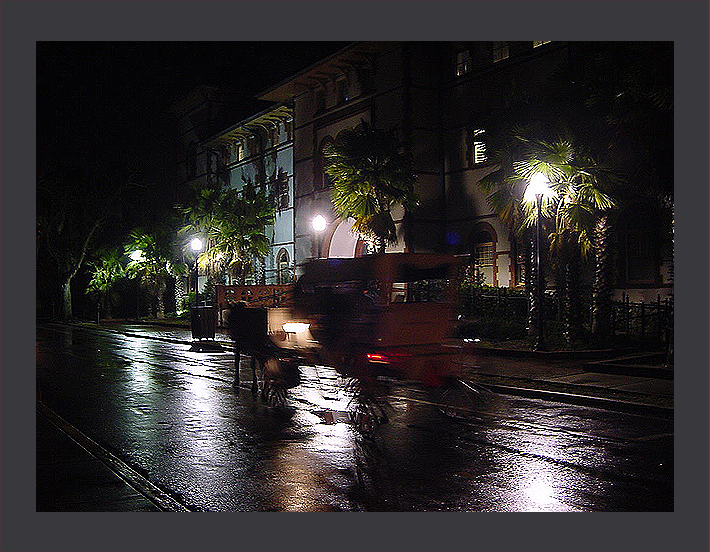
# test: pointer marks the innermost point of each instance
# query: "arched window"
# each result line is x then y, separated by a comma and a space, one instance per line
283, 268
484, 255
320, 179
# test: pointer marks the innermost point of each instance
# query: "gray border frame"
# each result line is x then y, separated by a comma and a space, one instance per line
23, 23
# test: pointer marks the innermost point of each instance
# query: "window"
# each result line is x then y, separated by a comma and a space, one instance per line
500, 51
279, 189
484, 257
463, 63
537, 43
283, 271
479, 146
322, 180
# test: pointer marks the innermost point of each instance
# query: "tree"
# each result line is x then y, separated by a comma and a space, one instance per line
72, 205
371, 173
234, 224
574, 210
152, 263
105, 272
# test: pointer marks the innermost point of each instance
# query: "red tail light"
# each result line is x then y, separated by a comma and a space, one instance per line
378, 358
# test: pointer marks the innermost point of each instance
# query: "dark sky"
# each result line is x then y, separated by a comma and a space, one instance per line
98, 94
104, 106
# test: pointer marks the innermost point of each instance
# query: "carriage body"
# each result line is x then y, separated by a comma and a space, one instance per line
379, 315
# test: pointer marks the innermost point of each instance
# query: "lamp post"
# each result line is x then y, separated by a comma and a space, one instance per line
538, 187
196, 245
319, 224
137, 256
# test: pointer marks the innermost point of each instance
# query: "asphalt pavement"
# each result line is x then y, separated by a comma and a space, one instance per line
80, 479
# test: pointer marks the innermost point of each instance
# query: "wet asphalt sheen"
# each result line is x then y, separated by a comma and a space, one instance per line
173, 417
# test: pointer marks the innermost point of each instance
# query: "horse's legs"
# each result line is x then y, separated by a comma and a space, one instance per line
255, 379
237, 357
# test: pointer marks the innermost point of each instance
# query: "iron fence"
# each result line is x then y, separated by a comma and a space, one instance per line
649, 323
646, 322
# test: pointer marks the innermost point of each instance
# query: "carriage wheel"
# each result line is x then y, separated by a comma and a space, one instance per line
462, 400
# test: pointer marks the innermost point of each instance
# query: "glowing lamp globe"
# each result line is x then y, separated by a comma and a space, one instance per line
196, 244
319, 223
539, 186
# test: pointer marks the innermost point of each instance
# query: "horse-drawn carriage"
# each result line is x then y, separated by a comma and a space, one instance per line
378, 315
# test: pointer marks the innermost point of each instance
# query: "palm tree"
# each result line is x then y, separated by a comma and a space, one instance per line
575, 209
234, 224
153, 267
105, 272
371, 173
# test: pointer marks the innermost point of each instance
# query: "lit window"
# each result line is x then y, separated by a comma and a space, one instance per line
283, 273
484, 256
479, 146
537, 43
500, 51
463, 63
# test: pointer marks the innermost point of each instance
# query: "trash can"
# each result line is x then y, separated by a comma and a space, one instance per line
203, 322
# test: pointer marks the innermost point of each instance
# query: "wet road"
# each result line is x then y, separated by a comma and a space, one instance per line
173, 416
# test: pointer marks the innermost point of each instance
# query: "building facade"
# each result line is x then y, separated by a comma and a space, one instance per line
216, 151
441, 97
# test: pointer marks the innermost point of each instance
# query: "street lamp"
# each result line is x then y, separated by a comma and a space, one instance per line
538, 188
196, 245
137, 256
319, 224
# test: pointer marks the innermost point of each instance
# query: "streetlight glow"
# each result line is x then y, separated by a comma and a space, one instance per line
196, 244
319, 223
539, 186
137, 255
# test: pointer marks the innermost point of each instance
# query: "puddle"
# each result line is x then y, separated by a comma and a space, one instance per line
333, 416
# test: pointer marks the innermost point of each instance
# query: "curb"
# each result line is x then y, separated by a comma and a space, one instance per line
585, 354
164, 501
585, 400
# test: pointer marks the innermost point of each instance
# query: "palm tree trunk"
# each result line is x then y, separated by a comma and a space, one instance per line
531, 284
602, 291
66, 300
160, 306
573, 299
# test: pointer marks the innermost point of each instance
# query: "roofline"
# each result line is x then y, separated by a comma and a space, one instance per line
247, 121
305, 70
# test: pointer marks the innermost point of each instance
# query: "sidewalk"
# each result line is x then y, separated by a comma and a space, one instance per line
636, 384
70, 479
